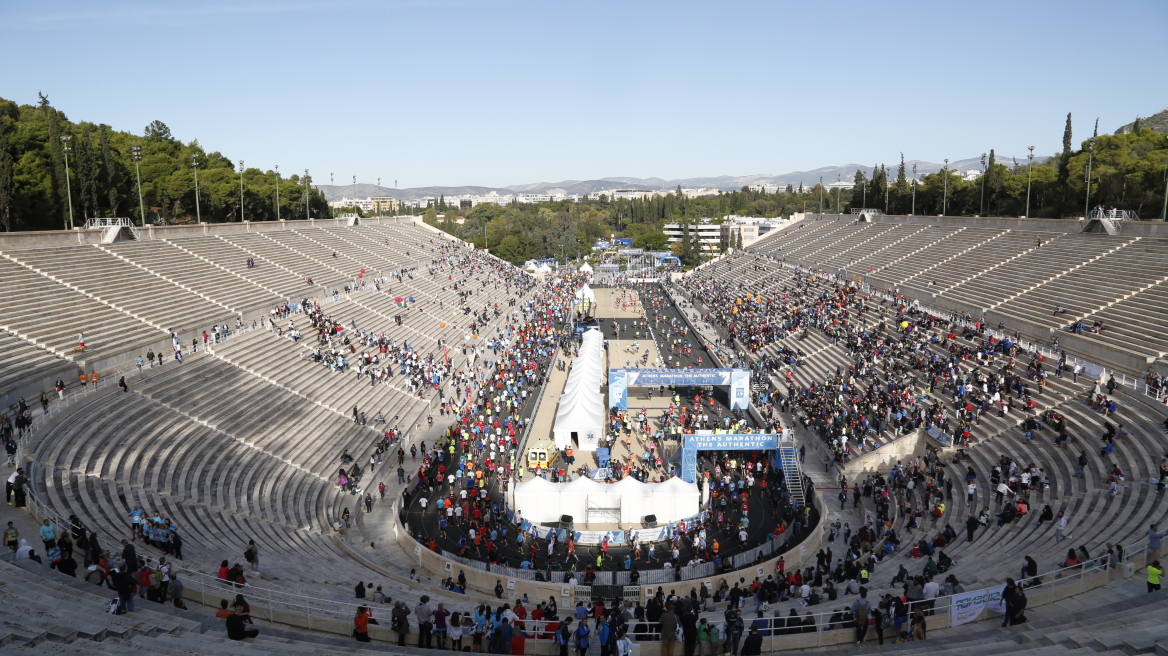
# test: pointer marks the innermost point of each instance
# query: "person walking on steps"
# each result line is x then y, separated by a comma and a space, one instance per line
252, 555
861, 610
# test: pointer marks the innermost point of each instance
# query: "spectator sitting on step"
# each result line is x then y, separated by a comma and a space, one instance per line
236, 629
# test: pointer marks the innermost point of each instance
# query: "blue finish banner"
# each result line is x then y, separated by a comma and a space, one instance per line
646, 377
732, 442
721, 442
620, 380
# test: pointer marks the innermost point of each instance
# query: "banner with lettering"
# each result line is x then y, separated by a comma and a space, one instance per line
967, 606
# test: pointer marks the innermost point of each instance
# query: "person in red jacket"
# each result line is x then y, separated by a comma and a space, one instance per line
518, 643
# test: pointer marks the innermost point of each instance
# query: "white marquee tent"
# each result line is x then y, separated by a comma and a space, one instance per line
587, 293
543, 501
581, 413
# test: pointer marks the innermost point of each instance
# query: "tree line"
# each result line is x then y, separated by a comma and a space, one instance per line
102, 181
1128, 171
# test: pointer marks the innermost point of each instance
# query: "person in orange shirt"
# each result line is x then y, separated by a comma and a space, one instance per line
93, 378
361, 624
84, 380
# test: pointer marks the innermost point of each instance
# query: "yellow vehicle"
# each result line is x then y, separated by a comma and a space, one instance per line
537, 457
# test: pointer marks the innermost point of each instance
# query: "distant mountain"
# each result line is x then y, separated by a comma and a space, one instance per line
360, 190
722, 182
1157, 122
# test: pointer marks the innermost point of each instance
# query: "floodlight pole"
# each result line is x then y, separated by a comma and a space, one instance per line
277, 167
1029, 178
195, 166
68, 186
241, 191
137, 152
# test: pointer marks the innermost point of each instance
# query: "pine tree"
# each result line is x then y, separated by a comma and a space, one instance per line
859, 188
1067, 136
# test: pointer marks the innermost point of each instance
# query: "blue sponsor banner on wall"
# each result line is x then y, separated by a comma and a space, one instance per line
618, 389
739, 389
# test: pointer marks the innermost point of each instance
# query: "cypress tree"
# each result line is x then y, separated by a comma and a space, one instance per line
87, 174
5, 178
111, 178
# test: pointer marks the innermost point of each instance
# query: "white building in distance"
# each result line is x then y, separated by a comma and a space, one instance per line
752, 228
709, 235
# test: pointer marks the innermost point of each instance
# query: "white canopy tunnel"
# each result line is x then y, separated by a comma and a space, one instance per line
581, 410
543, 501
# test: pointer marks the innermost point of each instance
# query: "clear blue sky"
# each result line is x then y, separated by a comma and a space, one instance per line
495, 93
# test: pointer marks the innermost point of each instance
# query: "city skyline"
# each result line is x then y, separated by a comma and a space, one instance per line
468, 93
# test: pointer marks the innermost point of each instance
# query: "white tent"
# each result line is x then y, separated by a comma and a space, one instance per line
674, 499
574, 498
581, 413
544, 501
633, 497
532, 498
586, 292
543, 268
585, 268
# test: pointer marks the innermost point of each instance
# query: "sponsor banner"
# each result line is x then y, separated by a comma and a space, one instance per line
618, 389
739, 389
732, 442
689, 465
647, 377
968, 606
620, 380
721, 442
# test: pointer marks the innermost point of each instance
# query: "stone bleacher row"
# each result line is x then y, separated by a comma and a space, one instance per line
1094, 519
1013, 274
189, 444
128, 295
44, 612
243, 440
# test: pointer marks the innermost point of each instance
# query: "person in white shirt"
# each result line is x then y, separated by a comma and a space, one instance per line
930, 589
1060, 526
